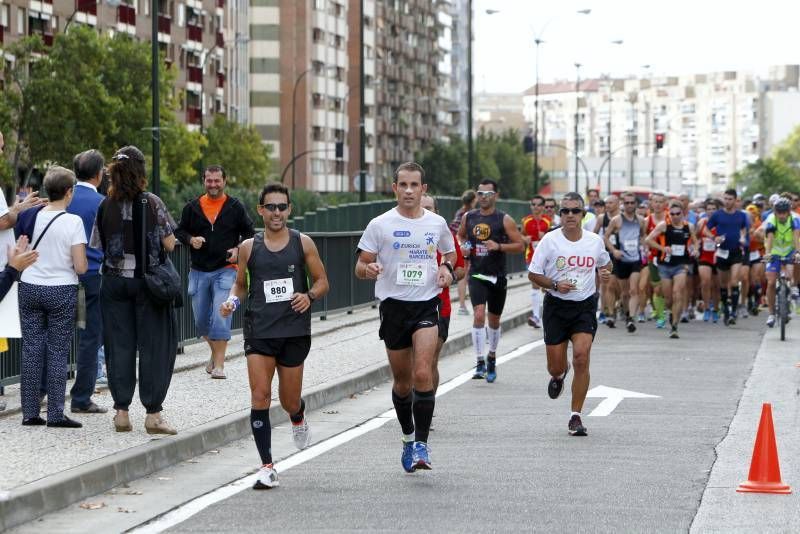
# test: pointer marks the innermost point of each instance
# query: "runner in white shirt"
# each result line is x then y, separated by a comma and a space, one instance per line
565, 263
398, 250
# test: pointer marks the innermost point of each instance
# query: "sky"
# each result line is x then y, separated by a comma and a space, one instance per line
673, 37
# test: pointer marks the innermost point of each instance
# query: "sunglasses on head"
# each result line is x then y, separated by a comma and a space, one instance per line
272, 207
485, 193
574, 211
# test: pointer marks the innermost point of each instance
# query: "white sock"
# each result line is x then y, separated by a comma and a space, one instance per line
408, 438
575, 413
536, 302
494, 339
479, 342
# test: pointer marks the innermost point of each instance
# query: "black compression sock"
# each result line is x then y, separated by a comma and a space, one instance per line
403, 409
298, 417
424, 403
735, 299
723, 297
262, 434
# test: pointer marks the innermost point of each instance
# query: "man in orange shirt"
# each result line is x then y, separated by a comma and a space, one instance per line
534, 226
212, 226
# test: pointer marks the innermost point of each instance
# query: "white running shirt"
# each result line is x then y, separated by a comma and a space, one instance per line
559, 259
406, 248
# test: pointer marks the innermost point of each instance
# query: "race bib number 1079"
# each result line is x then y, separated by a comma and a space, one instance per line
411, 274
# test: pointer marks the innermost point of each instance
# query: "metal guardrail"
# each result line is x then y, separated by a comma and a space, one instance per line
337, 251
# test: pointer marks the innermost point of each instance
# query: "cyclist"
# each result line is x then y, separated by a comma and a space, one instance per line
782, 244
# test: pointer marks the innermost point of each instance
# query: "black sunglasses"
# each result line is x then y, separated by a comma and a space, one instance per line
675, 213
272, 207
574, 211
536, 204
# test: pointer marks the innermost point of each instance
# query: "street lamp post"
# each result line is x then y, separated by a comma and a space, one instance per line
538, 41
156, 120
470, 147
362, 112
577, 109
294, 120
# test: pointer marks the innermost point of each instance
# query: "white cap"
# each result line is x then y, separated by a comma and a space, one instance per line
774, 198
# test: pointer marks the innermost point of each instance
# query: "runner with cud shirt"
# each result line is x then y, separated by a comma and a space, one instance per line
732, 226
566, 263
487, 235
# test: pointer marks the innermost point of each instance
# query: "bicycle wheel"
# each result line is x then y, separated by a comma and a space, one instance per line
783, 308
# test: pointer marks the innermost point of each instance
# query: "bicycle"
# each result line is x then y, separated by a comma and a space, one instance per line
783, 294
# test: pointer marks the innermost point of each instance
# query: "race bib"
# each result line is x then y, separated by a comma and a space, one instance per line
754, 255
279, 290
411, 274
709, 245
723, 253
481, 250
631, 245
678, 250
577, 282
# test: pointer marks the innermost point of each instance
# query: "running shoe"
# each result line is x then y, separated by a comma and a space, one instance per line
771, 321
661, 322
731, 320
706, 316
491, 370
267, 478
610, 322
534, 321
684, 317
301, 434
422, 459
463, 311
556, 385
673, 332
714, 316
575, 426
630, 326
601, 318
407, 458
480, 371
743, 312
641, 318
795, 293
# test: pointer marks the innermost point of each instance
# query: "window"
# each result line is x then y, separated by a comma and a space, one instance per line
21, 18
319, 4
339, 74
317, 166
317, 133
317, 100
317, 35
319, 67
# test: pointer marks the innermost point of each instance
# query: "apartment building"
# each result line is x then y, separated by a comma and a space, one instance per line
712, 125
203, 39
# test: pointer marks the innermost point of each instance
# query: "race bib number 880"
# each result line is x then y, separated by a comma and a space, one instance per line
278, 290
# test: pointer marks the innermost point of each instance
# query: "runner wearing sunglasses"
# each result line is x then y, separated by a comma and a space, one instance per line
565, 263
487, 235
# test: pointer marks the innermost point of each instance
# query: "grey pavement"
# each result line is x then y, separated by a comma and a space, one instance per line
346, 357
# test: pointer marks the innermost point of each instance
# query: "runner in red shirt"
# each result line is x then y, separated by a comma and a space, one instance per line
709, 282
534, 226
429, 203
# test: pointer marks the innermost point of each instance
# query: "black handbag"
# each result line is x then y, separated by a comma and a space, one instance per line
163, 281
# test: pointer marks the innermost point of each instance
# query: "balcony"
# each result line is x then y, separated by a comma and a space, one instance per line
84, 7
194, 74
126, 15
220, 80
220, 40
1, 35
194, 33
164, 24
221, 3
48, 39
193, 115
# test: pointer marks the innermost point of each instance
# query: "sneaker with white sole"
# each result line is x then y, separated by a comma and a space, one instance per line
267, 478
218, 373
301, 434
771, 321
556, 384
575, 426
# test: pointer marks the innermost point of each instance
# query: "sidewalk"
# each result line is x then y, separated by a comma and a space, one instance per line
45, 469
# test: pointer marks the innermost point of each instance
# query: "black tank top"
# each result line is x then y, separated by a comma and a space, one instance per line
481, 228
276, 275
677, 238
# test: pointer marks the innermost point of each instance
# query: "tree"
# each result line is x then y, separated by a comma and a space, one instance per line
767, 176
445, 165
240, 150
502, 158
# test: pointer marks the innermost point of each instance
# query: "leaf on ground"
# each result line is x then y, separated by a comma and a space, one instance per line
213, 451
192, 461
133, 492
353, 396
331, 412
92, 505
125, 510
164, 478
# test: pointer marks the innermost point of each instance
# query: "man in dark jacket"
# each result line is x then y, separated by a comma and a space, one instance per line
212, 226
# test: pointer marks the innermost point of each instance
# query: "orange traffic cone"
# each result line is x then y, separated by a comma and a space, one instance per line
765, 471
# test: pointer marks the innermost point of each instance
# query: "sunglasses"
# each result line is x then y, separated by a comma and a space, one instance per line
573, 211
551, 207
536, 204
273, 207
629, 203
485, 193
675, 213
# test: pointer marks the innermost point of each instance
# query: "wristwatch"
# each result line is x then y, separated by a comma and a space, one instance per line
449, 268
311, 296
555, 285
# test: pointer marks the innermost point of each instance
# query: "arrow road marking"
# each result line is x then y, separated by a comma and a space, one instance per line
612, 397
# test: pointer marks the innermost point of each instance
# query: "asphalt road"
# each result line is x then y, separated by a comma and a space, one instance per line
503, 460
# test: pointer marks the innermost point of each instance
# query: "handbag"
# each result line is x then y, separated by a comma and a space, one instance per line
163, 281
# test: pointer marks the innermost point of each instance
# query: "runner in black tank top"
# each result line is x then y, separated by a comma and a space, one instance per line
488, 234
277, 325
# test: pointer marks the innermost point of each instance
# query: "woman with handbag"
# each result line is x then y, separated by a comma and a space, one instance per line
48, 296
135, 231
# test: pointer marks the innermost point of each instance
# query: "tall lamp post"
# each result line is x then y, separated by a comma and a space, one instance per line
470, 147
156, 121
577, 109
617, 42
362, 112
294, 120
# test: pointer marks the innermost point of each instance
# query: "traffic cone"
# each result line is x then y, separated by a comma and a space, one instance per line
765, 471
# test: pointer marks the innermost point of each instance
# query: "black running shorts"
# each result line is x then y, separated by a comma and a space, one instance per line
624, 269
401, 318
492, 295
287, 351
734, 256
444, 328
562, 318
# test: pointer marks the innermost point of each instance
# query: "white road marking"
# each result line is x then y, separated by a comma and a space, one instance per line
612, 397
189, 509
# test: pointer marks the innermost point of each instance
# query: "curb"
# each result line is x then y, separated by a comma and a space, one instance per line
60, 490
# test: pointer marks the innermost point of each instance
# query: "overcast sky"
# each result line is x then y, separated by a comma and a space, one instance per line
672, 36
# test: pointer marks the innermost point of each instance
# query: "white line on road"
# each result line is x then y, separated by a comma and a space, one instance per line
185, 511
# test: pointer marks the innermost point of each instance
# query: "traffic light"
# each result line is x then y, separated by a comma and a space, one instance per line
528, 144
339, 149
659, 141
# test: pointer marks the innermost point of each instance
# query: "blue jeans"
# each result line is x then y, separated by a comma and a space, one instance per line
89, 341
208, 291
